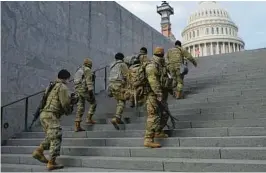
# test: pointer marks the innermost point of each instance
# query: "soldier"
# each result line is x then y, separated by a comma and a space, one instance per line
143, 58
175, 59
118, 87
83, 81
158, 82
58, 103
143, 55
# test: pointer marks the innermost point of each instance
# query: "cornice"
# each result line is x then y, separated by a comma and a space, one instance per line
208, 40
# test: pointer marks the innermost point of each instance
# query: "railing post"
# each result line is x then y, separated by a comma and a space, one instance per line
105, 78
26, 115
2, 110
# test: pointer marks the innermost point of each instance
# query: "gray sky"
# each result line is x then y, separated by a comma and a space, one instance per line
249, 16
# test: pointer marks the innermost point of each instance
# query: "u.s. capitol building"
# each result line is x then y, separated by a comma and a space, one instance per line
211, 31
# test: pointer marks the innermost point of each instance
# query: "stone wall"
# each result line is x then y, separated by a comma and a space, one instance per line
40, 38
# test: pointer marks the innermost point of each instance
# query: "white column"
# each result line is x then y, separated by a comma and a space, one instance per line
217, 48
239, 48
211, 49
193, 50
229, 47
234, 46
205, 49
223, 47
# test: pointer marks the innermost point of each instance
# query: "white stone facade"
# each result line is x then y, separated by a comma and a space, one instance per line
211, 31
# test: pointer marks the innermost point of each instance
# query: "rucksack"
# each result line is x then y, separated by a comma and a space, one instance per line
115, 71
129, 59
79, 75
137, 76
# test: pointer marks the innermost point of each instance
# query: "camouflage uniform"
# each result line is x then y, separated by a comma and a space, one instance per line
143, 60
155, 72
57, 104
118, 88
174, 58
84, 89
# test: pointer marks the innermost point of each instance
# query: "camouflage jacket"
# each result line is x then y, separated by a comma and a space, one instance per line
58, 100
118, 72
86, 83
156, 73
176, 55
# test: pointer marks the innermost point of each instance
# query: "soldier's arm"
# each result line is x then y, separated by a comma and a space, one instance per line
88, 78
153, 79
188, 56
65, 99
125, 71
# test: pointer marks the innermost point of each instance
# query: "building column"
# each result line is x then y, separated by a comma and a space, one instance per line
217, 48
239, 48
223, 48
229, 47
205, 49
211, 49
193, 50
234, 47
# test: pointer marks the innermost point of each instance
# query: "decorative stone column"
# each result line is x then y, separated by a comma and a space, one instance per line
211, 49
223, 48
229, 47
205, 49
217, 48
193, 51
234, 47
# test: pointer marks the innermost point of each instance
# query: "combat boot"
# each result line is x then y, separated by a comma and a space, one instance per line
160, 135
38, 155
116, 121
179, 95
148, 142
77, 127
89, 120
53, 165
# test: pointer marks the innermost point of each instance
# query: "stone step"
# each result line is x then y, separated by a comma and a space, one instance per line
246, 92
179, 103
232, 81
240, 76
42, 168
153, 164
219, 140
243, 153
219, 99
141, 125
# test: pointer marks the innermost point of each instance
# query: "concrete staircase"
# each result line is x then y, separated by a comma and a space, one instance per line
221, 127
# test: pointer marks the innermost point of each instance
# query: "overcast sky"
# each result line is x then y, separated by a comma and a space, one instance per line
249, 16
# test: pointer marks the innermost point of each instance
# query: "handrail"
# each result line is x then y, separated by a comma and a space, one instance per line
29, 96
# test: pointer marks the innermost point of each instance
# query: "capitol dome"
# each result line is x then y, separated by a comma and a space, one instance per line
211, 31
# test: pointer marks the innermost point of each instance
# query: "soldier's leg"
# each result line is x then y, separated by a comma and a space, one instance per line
92, 109
45, 145
164, 117
180, 84
118, 115
152, 124
79, 114
55, 136
172, 71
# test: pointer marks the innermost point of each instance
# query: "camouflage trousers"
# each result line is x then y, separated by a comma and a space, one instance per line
157, 117
83, 97
178, 79
53, 133
121, 94
163, 115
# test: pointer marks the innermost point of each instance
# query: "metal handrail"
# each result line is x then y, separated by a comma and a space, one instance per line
29, 96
